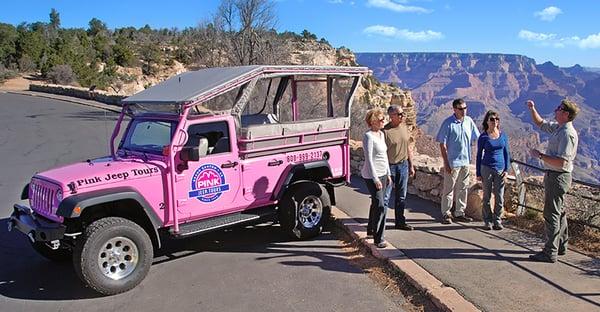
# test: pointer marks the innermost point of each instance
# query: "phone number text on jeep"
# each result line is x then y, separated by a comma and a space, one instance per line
304, 157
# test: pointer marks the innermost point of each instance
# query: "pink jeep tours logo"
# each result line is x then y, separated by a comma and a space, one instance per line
208, 183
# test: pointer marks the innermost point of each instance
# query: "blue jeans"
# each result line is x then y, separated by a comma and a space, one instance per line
493, 183
399, 174
377, 211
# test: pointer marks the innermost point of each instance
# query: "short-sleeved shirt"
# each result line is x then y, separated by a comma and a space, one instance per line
458, 136
397, 140
563, 143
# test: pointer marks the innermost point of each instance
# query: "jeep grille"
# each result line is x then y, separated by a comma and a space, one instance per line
42, 198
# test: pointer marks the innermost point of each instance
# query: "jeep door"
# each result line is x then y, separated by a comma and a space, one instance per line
210, 186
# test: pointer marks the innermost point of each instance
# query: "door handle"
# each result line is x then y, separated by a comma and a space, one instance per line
229, 164
275, 163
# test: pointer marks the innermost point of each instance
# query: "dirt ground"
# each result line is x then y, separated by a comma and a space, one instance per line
581, 238
16, 84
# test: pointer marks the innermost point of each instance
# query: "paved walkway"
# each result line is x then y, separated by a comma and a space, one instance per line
490, 269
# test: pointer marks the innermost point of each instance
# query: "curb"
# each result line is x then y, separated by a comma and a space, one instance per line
65, 98
444, 297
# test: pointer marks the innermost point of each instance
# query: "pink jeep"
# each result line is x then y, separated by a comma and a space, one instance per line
202, 151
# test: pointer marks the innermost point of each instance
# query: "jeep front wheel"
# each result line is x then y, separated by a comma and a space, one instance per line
304, 209
113, 256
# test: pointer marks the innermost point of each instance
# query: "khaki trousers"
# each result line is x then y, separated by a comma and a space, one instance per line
455, 188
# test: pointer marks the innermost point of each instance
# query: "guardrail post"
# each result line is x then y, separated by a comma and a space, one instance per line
521, 188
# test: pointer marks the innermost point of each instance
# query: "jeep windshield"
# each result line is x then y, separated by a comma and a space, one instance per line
148, 136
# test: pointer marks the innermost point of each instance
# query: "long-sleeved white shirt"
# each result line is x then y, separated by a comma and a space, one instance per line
376, 161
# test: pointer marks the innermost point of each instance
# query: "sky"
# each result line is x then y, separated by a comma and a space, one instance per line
563, 32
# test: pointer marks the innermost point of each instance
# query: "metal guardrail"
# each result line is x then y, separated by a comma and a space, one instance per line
522, 190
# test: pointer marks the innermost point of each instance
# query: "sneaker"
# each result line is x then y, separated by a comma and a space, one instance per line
542, 257
381, 244
562, 252
487, 226
404, 227
463, 219
446, 220
498, 226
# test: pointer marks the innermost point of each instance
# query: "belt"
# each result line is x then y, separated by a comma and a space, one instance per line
399, 162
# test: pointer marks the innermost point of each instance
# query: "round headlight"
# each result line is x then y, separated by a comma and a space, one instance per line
59, 196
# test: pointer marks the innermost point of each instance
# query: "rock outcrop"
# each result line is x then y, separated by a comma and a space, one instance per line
501, 82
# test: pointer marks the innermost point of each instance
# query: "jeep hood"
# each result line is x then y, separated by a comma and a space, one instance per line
101, 171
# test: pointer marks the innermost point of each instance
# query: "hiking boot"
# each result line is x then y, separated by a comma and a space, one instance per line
404, 227
463, 219
446, 220
542, 257
487, 226
381, 244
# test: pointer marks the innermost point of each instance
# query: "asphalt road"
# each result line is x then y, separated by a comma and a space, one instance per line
244, 269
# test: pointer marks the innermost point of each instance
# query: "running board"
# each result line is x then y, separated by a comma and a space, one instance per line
220, 222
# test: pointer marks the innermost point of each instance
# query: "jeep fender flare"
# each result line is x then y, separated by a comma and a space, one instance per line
67, 207
319, 170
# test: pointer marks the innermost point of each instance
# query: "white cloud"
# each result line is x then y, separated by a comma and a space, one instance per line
552, 40
393, 32
548, 14
395, 6
590, 42
539, 37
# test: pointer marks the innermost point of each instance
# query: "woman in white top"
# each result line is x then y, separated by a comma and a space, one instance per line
376, 172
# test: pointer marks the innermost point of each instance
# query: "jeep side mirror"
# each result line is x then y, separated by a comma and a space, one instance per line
190, 153
193, 153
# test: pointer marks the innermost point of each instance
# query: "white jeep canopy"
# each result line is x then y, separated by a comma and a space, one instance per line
197, 86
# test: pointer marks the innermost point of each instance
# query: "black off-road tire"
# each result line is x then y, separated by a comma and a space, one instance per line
295, 219
58, 255
99, 237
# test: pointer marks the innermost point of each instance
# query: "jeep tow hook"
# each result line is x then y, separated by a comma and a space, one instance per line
31, 236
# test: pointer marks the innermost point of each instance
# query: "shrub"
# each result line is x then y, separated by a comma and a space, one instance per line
61, 74
6, 73
26, 64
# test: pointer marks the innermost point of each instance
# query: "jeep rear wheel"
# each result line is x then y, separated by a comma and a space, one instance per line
113, 256
58, 255
304, 209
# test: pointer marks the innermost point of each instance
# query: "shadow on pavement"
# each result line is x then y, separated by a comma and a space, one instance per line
27, 275
413, 203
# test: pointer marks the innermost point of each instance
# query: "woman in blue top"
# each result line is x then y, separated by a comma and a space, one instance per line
493, 159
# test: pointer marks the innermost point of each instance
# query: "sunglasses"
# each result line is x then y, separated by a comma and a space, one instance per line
382, 120
560, 108
397, 114
461, 108
494, 119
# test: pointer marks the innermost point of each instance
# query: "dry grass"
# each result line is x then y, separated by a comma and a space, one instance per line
581, 238
393, 282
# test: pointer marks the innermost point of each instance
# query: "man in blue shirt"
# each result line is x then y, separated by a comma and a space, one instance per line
455, 136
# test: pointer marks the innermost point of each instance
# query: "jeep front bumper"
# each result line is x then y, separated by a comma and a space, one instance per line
37, 228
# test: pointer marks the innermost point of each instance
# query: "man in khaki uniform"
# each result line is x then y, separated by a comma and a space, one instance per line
558, 160
397, 139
